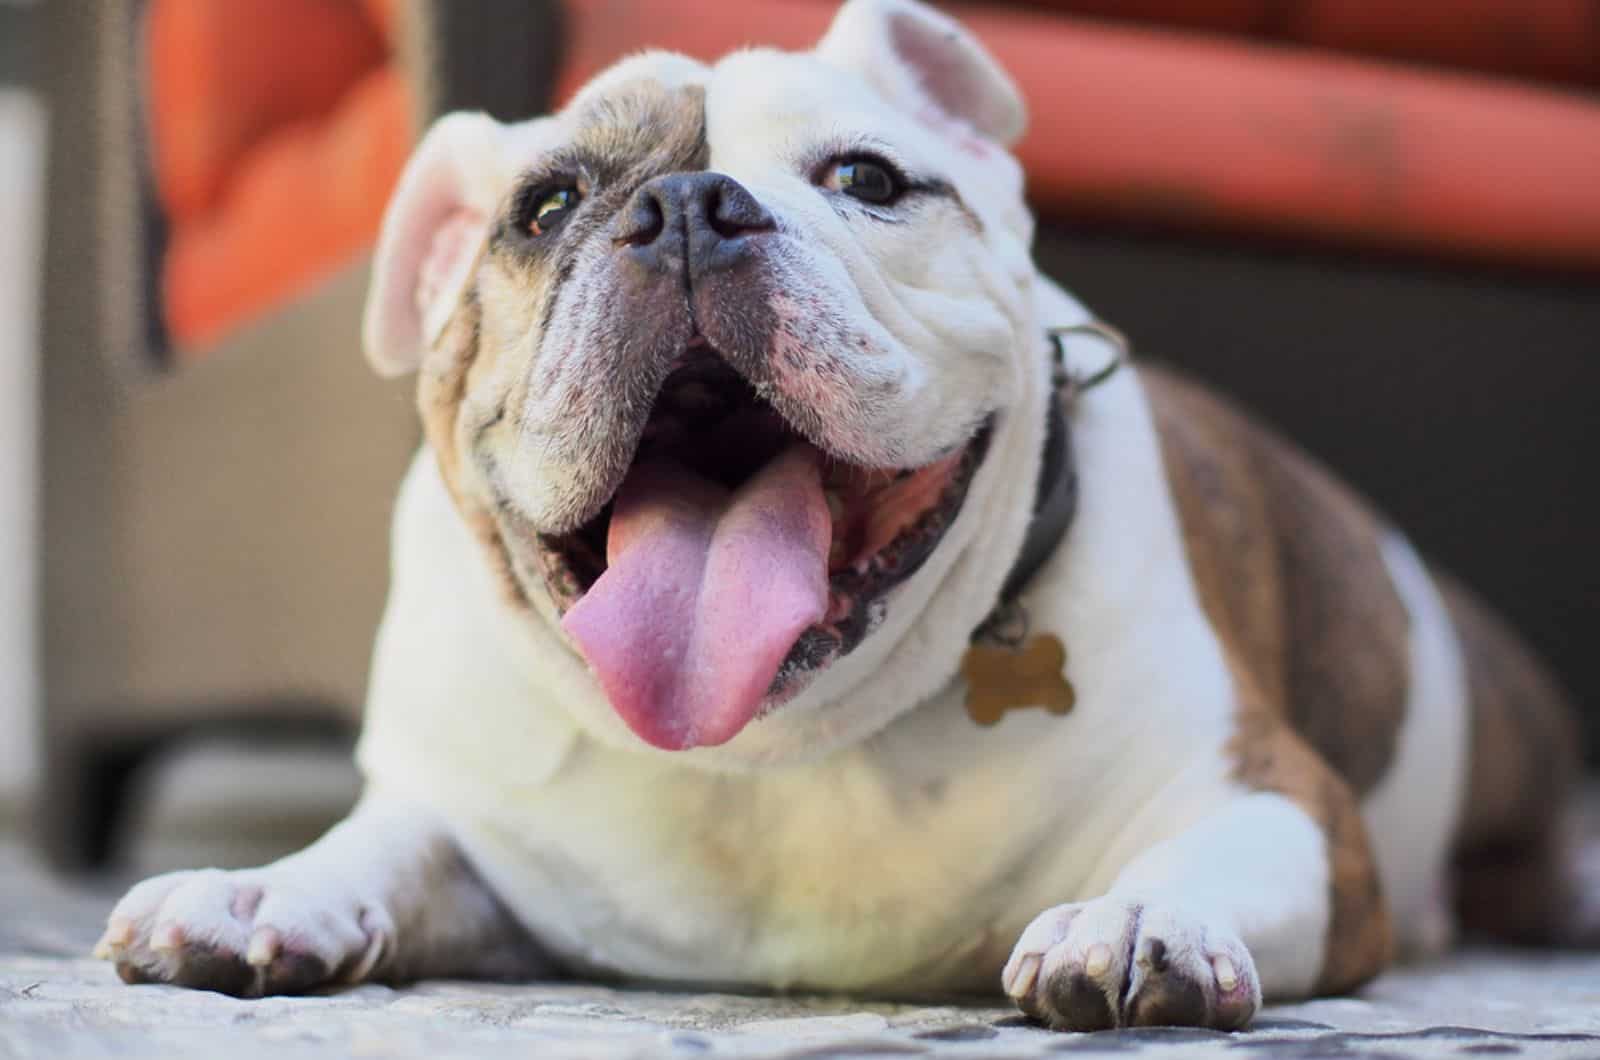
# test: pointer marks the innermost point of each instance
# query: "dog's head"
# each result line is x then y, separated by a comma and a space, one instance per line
734, 369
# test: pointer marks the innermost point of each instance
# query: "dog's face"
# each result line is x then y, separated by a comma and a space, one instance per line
716, 358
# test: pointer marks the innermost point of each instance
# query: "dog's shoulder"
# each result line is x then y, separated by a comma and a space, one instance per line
1290, 570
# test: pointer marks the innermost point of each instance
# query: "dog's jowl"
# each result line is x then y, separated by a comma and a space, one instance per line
741, 410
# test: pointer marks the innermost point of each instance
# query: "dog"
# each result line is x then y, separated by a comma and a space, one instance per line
795, 590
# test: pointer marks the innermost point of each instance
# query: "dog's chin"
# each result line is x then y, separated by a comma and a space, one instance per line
737, 561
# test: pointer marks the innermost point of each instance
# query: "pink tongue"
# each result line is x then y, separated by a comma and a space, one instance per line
704, 594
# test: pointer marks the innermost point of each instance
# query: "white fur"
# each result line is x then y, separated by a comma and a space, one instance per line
1413, 812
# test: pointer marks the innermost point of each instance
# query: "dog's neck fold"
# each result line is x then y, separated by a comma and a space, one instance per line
1056, 502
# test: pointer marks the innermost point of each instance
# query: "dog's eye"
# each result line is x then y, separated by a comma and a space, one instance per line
548, 209
868, 179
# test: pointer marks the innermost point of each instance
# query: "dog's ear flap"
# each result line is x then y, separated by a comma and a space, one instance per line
920, 58
432, 232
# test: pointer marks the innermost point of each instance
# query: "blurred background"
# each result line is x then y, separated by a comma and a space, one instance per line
1375, 224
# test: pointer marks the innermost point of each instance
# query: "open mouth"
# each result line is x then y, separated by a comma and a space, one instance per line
736, 560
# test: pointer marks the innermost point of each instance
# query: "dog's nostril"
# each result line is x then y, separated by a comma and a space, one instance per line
642, 223
720, 224
731, 211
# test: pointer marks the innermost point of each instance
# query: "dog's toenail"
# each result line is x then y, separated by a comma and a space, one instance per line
265, 945
1227, 975
166, 937
119, 931
1098, 960
1023, 979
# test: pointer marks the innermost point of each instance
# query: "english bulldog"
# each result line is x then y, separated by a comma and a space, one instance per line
778, 603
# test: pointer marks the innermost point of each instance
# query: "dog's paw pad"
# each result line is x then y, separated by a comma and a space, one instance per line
1109, 963
243, 933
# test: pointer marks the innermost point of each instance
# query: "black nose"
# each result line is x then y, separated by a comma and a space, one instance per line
701, 221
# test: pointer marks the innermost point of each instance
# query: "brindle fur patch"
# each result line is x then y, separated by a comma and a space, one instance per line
1289, 570
1271, 756
1524, 733
1348, 631
584, 399
640, 131
441, 386
1289, 566
1516, 873
625, 139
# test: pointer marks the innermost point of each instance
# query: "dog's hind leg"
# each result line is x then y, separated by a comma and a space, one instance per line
386, 895
1518, 876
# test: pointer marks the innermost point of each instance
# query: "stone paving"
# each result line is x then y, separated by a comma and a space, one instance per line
56, 1005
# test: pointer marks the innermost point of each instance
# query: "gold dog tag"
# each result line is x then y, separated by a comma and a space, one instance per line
1002, 678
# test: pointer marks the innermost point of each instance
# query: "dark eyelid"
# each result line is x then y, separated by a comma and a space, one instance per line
531, 189
866, 149
932, 186
565, 168
536, 186
831, 155
822, 154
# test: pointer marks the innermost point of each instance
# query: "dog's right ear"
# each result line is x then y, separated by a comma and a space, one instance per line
926, 62
431, 234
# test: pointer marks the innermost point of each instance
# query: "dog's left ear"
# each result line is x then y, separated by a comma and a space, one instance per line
921, 59
430, 236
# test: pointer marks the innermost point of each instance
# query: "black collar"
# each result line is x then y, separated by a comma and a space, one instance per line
1056, 500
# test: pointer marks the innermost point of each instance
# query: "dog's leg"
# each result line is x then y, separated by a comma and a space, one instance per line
1523, 873
386, 895
1274, 895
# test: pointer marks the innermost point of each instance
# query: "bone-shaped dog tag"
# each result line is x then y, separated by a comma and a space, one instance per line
1002, 678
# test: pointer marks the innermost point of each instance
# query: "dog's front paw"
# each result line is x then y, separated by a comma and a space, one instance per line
1112, 963
247, 933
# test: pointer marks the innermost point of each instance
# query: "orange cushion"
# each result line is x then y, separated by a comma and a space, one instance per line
1551, 40
278, 128
224, 73
300, 203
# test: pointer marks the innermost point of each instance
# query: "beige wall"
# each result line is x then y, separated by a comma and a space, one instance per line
22, 149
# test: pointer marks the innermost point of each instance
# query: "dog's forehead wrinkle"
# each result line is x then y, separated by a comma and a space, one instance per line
646, 124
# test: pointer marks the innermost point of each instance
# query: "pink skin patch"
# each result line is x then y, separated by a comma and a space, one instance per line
956, 131
875, 507
455, 241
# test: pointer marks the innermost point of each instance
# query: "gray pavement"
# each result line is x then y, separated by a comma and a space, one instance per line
57, 1005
